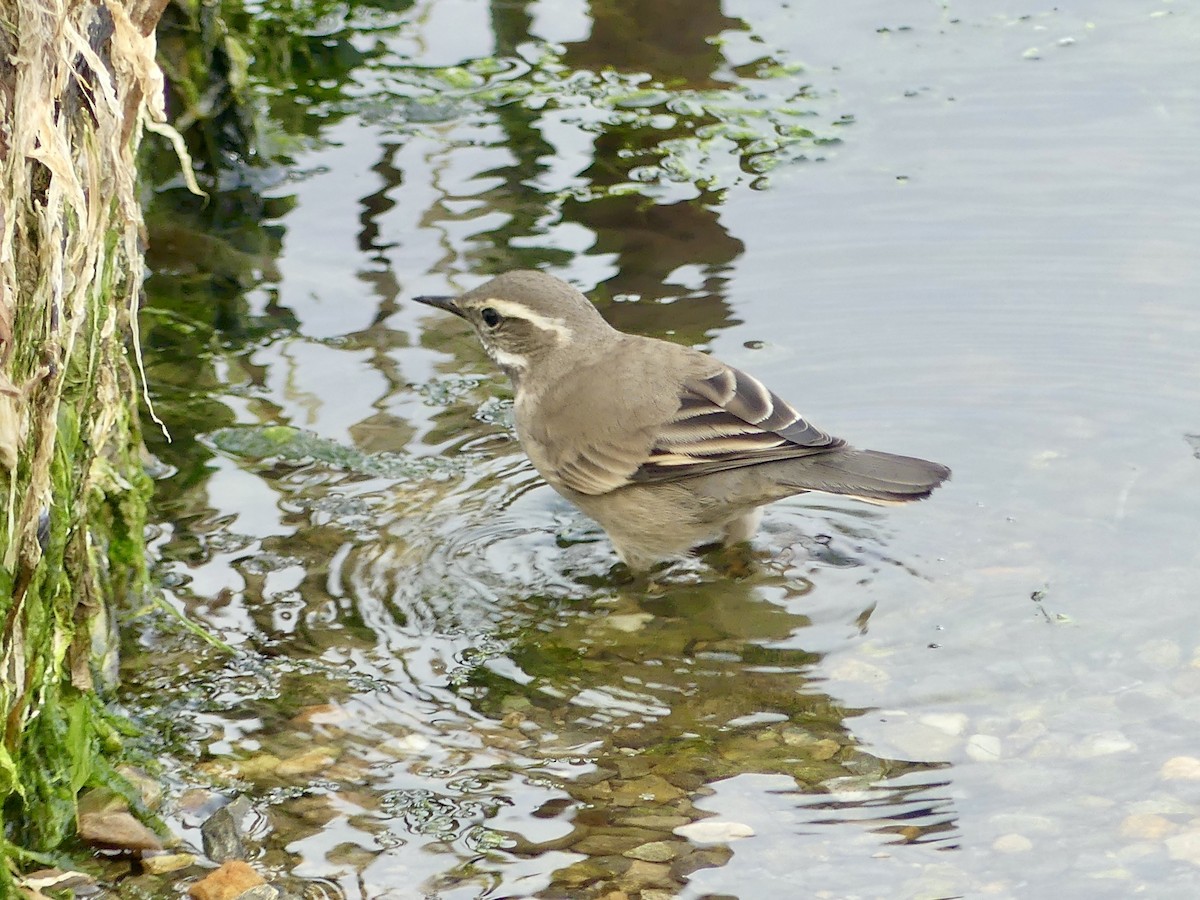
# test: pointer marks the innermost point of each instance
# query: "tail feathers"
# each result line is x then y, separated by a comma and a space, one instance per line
866, 474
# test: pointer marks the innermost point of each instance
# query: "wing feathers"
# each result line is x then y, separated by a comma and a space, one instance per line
724, 421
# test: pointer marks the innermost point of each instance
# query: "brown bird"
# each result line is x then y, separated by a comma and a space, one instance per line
666, 447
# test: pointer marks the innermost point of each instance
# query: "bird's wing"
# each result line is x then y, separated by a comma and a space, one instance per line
726, 421
721, 421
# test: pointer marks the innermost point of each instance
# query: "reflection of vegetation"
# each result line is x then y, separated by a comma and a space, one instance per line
440, 604
711, 138
244, 84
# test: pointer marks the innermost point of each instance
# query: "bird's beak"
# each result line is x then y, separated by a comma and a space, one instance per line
449, 304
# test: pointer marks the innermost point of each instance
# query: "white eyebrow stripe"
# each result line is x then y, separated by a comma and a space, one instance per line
513, 310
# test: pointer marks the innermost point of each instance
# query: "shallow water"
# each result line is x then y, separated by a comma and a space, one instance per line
982, 250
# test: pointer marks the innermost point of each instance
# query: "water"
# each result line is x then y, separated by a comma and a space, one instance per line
982, 252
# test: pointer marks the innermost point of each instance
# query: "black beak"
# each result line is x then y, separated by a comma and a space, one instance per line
449, 304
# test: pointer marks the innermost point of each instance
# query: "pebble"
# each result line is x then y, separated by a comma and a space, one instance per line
1114, 874
513, 719
628, 622
655, 851
167, 862
226, 883
221, 835
856, 671
103, 820
714, 831
406, 745
952, 724
1104, 744
642, 874
255, 767
708, 858
1146, 827
1012, 843
1024, 823
824, 749
652, 789
983, 747
796, 737
1185, 847
911, 739
1180, 768
603, 844
630, 767
306, 763
1163, 654
591, 870
149, 789
260, 892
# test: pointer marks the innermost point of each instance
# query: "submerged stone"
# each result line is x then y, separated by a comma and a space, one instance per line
654, 851
1185, 847
167, 862
306, 763
229, 882
104, 820
650, 789
221, 836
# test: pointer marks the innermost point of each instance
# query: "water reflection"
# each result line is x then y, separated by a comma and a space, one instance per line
474, 684
672, 41
441, 682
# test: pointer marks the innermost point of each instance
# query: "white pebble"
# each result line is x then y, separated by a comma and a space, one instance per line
713, 831
1185, 847
983, 747
1012, 843
947, 723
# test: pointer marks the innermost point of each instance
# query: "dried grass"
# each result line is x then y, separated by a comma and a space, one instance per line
78, 85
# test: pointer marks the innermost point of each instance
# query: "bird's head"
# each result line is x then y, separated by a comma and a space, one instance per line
524, 316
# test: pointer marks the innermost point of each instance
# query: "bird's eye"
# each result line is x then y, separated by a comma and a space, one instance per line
490, 317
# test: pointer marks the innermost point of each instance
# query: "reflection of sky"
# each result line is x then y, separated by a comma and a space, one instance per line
997, 269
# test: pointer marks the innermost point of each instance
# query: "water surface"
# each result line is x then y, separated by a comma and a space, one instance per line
945, 230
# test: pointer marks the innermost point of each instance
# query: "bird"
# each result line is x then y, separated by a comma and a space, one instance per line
666, 447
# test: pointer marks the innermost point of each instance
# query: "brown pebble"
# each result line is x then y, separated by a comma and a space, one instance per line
226, 883
104, 820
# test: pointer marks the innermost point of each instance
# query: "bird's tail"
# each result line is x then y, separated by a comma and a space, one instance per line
864, 474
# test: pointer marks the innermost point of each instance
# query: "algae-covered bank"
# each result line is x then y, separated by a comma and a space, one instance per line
379, 658
79, 86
